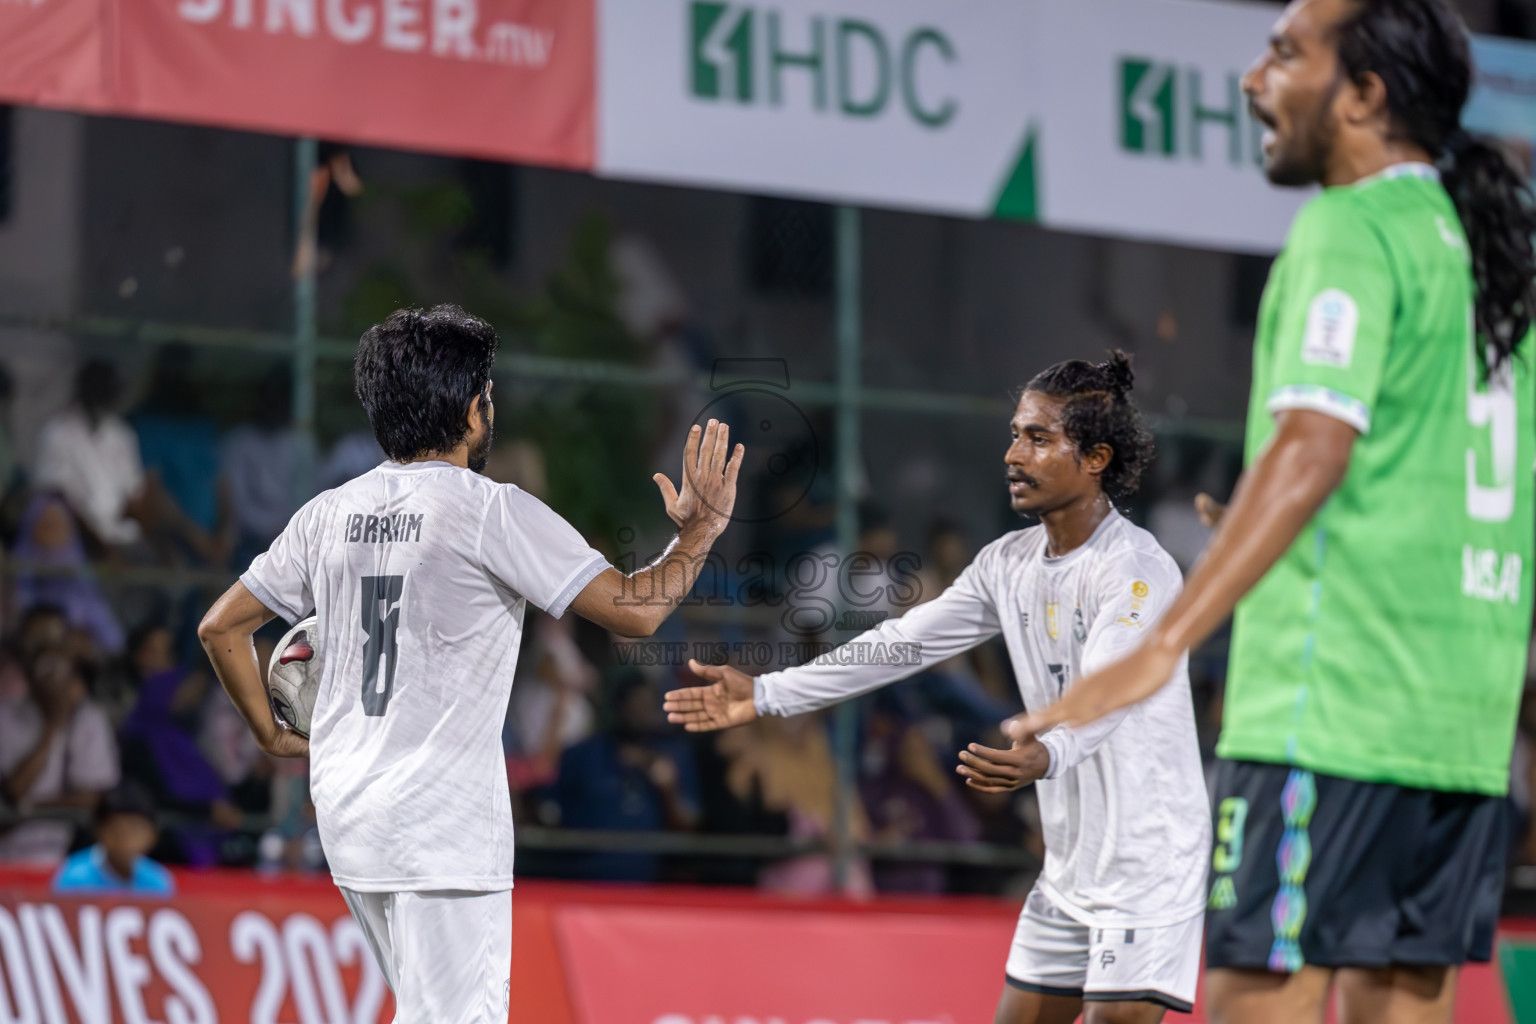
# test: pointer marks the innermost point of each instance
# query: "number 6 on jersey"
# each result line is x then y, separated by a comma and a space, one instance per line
381, 621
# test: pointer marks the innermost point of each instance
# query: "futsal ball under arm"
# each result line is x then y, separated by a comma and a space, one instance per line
293, 677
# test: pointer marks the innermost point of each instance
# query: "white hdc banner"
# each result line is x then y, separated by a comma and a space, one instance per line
1115, 117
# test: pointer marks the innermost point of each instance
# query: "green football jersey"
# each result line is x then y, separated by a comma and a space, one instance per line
1389, 643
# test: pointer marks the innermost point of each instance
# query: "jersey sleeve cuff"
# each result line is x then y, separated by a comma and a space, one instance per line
1316, 398
260, 592
1051, 741
573, 586
762, 697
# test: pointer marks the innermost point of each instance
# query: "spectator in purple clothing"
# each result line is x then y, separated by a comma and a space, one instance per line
160, 748
52, 571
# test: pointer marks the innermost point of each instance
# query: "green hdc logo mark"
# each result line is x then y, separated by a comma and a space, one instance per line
1165, 111
739, 53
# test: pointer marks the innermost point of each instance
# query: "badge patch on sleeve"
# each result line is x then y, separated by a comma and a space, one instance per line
1139, 593
1331, 322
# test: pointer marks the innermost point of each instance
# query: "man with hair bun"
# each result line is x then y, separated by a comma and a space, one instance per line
1377, 550
1112, 928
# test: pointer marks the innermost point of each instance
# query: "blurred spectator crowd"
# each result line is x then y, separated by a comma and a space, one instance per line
126, 523
117, 534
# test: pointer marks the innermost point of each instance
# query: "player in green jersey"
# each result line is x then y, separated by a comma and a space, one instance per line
1378, 548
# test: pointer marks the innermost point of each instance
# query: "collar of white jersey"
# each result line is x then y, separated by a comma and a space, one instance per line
408, 467
1406, 169
1113, 517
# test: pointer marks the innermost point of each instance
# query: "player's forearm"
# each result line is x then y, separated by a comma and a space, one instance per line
1070, 746
1274, 501
655, 591
926, 636
811, 687
233, 656
226, 633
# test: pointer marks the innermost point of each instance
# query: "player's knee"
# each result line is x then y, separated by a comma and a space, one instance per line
1415, 993
1233, 994
1021, 1006
1013, 1008
1122, 1013
1427, 984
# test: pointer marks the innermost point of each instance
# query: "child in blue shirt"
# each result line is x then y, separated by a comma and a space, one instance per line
125, 832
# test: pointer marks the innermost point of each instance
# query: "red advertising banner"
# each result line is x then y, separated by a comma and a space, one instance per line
277, 957
502, 79
236, 947
746, 965
53, 52
648, 965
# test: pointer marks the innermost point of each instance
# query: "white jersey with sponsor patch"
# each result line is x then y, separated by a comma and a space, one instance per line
418, 575
1124, 807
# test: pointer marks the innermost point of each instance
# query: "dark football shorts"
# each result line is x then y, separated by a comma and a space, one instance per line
1314, 869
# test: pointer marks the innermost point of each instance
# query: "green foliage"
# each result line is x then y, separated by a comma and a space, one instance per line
337, 410
382, 290
595, 438
428, 264
435, 209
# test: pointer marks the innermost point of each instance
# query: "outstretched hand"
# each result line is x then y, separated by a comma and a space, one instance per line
999, 771
710, 468
725, 702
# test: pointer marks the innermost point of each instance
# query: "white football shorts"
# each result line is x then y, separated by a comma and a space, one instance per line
1056, 955
447, 955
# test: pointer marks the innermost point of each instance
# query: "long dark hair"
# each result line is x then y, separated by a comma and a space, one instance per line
1099, 411
1419, 50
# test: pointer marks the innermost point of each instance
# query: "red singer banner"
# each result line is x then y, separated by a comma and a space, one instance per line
502, 79
53, 53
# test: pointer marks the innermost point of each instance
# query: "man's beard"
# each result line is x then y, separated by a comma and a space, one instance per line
480, 454
1305, 161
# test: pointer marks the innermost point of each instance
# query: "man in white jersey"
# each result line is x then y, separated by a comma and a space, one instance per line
1112, 928
418, 573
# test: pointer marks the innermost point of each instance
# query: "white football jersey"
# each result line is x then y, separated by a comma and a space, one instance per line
1124, 807
418, 575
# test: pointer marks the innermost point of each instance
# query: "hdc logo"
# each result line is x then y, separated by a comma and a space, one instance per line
743, 54
1164, 110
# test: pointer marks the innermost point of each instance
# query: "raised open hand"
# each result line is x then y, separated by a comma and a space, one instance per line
727, 701
710, 468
